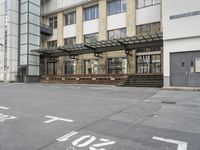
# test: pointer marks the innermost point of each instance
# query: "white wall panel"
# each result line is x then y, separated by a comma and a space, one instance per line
148, 15
181, 27
70, 31
54, 36
91, 26
116, 21
183, 45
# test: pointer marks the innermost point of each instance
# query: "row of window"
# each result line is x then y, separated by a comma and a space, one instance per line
113, 34
90, 13
146, 64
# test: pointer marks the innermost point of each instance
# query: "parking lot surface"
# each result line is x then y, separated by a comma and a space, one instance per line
97, 117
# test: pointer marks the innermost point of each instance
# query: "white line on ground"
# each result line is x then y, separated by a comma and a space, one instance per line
5, 108
53, 119
181, 145
67, 136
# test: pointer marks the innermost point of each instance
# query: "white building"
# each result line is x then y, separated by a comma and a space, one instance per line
181, 29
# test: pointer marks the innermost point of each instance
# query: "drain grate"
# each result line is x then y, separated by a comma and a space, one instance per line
168, 102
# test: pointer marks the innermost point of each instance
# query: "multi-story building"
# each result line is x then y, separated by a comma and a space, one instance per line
98, 39
76, 22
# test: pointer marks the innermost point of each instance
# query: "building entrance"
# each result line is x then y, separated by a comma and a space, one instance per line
185, 69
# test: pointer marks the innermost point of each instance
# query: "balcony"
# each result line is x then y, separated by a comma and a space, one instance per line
46, 30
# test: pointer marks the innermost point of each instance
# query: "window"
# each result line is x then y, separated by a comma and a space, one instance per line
117, 65
91, 13
147, 64
146, 3
51, 68
148, 28
91, 66
70, 41
52, 44
53, 22
69, 67
116, 6
197, 64
91, 38
117, 34
70, 18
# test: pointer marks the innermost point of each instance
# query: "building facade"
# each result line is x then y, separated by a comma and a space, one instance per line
181, 20
51, 24
76, 22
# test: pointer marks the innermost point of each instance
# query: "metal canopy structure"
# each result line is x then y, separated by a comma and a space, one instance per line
127, 44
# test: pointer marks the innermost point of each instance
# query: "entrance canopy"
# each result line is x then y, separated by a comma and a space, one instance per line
127, 44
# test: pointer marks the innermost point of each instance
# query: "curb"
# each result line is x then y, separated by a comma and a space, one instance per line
197, 89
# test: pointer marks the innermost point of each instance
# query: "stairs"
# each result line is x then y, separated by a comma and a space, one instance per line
143, 81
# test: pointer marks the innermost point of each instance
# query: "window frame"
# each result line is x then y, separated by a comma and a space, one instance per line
88, 10
115, 30
54, 21
87, 36
153, 2
115, 4
70, 38
68, 19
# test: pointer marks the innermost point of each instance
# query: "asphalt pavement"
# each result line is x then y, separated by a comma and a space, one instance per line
97, 117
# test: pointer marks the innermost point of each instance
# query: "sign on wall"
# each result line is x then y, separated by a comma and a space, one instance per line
197, 64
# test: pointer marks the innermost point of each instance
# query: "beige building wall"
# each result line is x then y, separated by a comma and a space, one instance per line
60, 41
79, 24
131, 17
79, 37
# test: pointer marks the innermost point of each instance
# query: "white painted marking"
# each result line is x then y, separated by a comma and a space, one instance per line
53, 119
4, 117
181, 145
5, 108
67, 136
106, 142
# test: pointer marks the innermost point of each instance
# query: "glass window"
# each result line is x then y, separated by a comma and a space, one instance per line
148, 28
149, 64
91, 66
70, 67
51, 68
146, 3
91, 38
53, 22
156, 1
116, 6
117, 34
117, 65
70, 18
52, 44
91, 13
197, 64
70, 41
